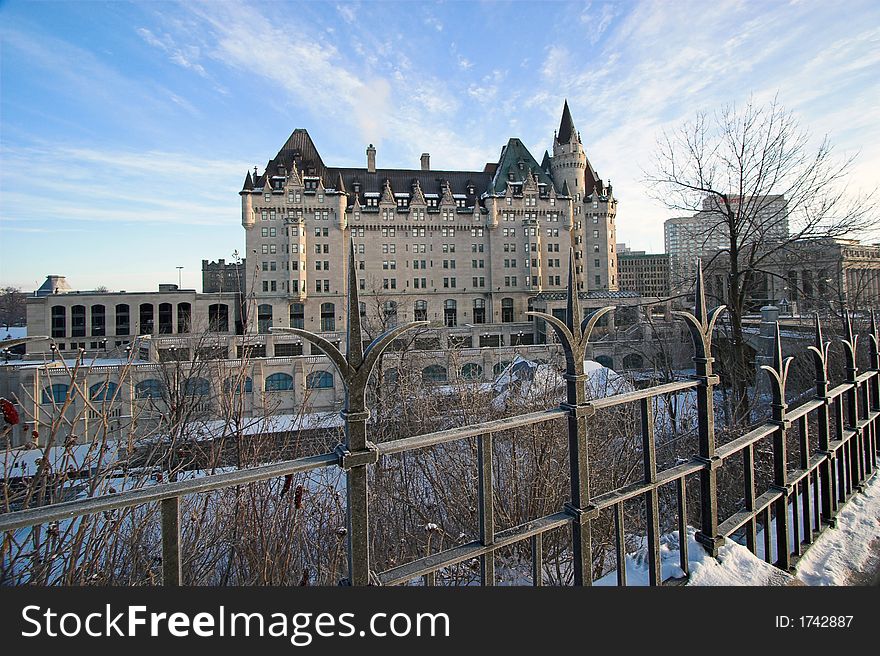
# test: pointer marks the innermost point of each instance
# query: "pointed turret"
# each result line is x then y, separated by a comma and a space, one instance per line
248, 182
545, 163
565, 191
340, 184
566, 131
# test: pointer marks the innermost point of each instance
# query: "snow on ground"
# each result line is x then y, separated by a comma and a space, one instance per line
736, 565
13, 332
848, 554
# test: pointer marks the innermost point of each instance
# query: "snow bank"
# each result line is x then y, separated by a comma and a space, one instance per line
848, 554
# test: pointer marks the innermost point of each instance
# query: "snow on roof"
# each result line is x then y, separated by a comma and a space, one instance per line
531, 378
25, 462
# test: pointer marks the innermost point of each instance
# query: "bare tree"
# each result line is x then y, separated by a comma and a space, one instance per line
12, 307
754, 177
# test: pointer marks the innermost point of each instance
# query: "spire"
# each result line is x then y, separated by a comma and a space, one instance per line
340, 185
248, 182
565, 191
545, 163
566, 127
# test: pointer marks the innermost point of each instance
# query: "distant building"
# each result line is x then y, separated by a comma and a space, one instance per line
687, 238
222, 277
647, 274
809, 275
453, 247
101, 321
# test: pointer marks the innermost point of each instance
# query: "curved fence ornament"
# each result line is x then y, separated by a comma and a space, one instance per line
820, 350
850, 344
778, 373
574, 334
358, 452
701, 323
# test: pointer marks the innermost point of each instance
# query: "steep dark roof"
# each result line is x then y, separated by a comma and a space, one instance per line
402, 181
566, 126
545, 163
518, 161
299, 149
248, 182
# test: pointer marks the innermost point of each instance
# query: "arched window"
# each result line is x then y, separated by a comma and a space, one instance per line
146, 318
123, 319
184, 317
479, 310
450, 313
165, 319
56, 393
498, 368
196, 387
297, 315
99, 326
59, 321
319, 380
420, 311
279, 382
264, 318
236, 384
471, 371
104, 391
389, 308
78, 321
149, 389
328, 317
506, 310
218, 317
434, 374
633, 361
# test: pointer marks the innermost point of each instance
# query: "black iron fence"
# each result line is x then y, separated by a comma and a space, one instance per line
804, 496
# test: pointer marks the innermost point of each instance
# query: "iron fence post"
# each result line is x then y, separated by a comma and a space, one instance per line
357, 453
826, 468
701, 324
171, 570
574, 334
778, 374
874, 395
855, 443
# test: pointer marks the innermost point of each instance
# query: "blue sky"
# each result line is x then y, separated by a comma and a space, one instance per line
126, 128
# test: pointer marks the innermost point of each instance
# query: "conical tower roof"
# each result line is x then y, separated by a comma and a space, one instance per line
566, 127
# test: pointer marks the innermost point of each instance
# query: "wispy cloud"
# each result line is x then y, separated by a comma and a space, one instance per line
347, 12
186, 57
91, 185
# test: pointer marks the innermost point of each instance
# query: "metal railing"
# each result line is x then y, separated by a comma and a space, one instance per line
847, 420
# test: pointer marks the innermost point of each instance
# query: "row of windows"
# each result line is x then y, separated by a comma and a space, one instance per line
155, 389
147, 315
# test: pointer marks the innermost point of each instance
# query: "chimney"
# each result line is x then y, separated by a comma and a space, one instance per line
426, 161
371, 159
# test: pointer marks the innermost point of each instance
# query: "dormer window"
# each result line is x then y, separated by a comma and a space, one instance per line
357, 187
